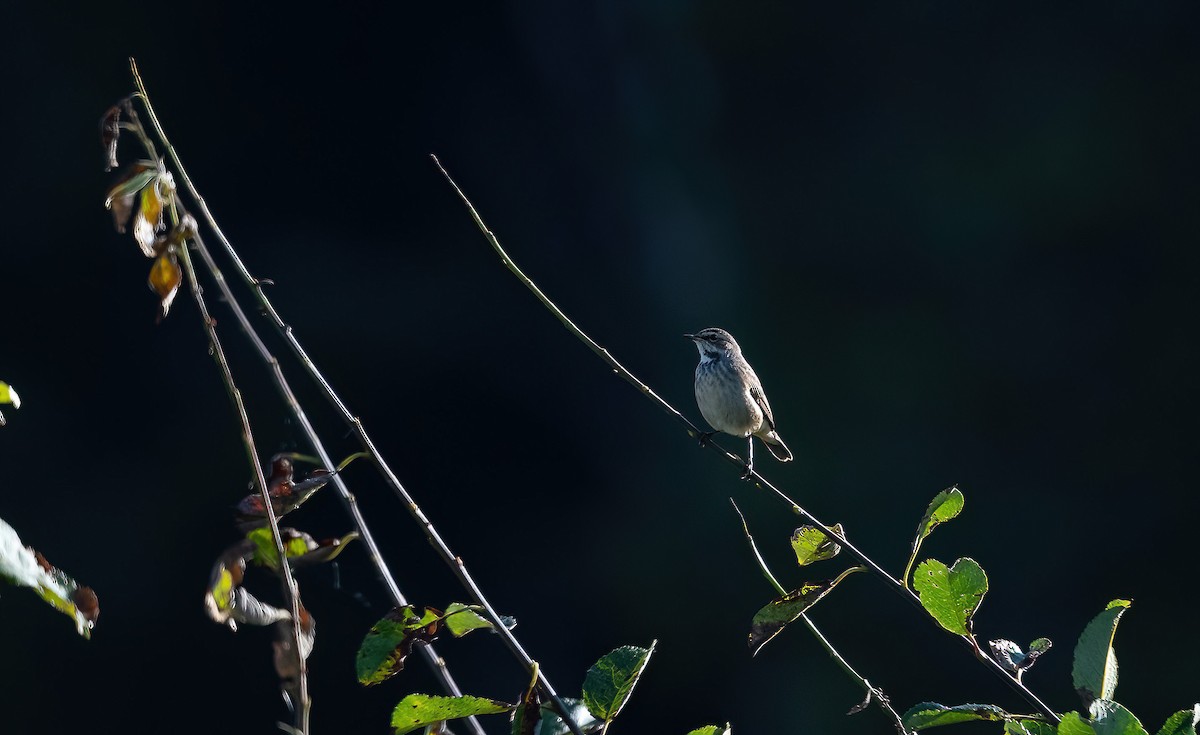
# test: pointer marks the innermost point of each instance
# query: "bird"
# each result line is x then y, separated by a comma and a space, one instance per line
731, 397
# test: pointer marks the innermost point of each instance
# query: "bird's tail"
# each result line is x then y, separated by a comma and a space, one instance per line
776, 446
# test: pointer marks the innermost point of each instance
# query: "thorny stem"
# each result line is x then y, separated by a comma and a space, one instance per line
873, 693
289, 583
453, 561
436, 662
753, 476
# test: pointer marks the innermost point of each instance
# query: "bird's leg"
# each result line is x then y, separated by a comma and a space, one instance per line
749, 457
705, 436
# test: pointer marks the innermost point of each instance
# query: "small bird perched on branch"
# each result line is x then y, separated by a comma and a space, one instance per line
730, 396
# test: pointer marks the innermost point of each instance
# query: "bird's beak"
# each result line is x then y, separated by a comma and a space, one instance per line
692, 337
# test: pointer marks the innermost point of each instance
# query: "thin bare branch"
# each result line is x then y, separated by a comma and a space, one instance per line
427, 651
752, 476
291, 592
449, 557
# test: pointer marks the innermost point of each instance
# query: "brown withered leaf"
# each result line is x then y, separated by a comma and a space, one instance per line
286, 494
110, 131
287, 665
165, 277
148, 220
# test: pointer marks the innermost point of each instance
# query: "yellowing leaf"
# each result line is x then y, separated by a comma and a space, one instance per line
165, 277
149, 219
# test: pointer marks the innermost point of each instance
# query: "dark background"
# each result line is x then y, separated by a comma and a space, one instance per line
958, 242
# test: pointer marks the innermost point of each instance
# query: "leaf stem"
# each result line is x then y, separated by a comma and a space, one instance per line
457, 567
894, 584
762, 564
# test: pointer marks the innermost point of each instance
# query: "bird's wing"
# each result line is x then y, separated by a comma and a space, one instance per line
756, 393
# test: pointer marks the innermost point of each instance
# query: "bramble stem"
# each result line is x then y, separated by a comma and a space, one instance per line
458, 568
291, 591
435, 662
894, 584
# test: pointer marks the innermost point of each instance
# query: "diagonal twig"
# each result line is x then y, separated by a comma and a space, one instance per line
751, 475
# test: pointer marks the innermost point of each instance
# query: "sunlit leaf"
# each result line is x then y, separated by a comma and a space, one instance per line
1182, 722
945, 505
8, 394
1073, 724
782, 611
1110, 718
711, 730
165, 277
327, 550
951, 595
1029, 727
298, 545
22, 566
461, 619
385, 647
811, 544
226, 601
419, 710
1094, 673
932, 714
610, 681
148, 220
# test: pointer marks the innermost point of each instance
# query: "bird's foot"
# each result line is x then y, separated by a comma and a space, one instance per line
705, 436
748, 471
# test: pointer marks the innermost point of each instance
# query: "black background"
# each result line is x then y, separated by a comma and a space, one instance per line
957, 240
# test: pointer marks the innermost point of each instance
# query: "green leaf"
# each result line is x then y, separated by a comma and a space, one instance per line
265, 552
1095, 671
932, 714
1029, 727
8, 394
419, 710
812, 544
552, 724
461, 619
783, 611
390, 640
945, 505
1073, 724
713, 729
1110, 718
951, 595
1182, 722
610, 681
